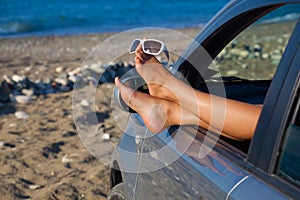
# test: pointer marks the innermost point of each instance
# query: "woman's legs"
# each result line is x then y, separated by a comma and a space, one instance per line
175, 102
157, 113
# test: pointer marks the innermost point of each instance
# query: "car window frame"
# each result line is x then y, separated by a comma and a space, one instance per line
263, 152
277, 104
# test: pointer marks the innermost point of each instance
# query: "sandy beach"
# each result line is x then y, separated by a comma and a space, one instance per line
41, 155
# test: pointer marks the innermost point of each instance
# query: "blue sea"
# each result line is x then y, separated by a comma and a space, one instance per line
48, 17
19, 18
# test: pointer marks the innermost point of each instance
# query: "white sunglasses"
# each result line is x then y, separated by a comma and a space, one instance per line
149, 46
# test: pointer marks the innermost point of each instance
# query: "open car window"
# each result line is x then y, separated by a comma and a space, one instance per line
248, 63
256, 52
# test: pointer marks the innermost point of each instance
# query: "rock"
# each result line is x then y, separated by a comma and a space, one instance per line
64, 89
74, 78
52, 150
6, 144
17, 78
21, 115
244, 54
4, 97
2, 144
23, 99
59, 69
266, 56
85, 103
47, 80
35, 187
28, 69
62, 81
232, 72
92, 80
65, 159
28, 92
69, 133
8, 80
257, 48
105, 137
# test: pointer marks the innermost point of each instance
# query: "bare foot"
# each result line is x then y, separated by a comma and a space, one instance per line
152, 110
158, 78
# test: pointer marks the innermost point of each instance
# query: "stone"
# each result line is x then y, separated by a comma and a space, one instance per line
64, 88
35, 187
7, 79
62, 81
244, 54
21, 115
23, 99
59, 69
17, 78
232, 72
266, 56
85, 103
28, 68
257, 48
75, 79
28, 92
105, 137
65, 159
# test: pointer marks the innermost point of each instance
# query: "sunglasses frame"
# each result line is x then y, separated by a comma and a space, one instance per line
163, 47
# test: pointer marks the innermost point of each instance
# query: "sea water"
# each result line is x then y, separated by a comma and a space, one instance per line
48, 17
68, 17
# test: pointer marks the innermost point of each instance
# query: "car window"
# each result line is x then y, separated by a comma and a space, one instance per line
289, 160
256, 52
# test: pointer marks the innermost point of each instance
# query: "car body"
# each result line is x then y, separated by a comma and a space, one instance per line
267, 167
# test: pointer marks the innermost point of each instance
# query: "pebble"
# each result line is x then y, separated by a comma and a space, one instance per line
28, 69
59, 69
17, 78
21, 115
2, 144
21, 89
35, 187
23, 99
28, 92
232, 72
105, 137
85, 103
74, 78
65, 159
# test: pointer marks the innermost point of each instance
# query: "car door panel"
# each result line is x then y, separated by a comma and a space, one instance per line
189, 176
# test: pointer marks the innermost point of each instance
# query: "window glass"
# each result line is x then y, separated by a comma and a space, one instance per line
289, 159
256, 52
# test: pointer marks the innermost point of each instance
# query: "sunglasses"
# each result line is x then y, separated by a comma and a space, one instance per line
149, 46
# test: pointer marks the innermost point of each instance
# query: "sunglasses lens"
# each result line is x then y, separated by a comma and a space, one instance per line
151, 46
134, 45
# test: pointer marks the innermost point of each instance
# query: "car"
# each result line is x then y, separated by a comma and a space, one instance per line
188, 162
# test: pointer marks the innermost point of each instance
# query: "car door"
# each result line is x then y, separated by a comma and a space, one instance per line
170, 163
274, 149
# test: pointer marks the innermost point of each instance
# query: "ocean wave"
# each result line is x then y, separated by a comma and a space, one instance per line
15, 28
288, 17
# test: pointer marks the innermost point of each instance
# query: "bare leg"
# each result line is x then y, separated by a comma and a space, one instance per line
233, 118
157, 113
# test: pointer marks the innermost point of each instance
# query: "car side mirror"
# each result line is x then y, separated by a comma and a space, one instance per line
133, 80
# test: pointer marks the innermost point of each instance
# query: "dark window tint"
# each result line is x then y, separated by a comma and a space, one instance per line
289, 160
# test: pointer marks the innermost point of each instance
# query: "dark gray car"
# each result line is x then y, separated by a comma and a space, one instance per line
264, 71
